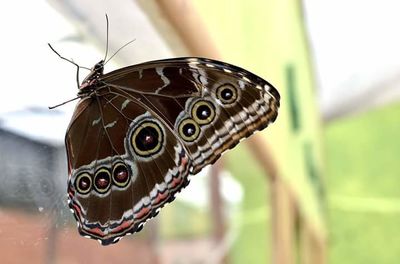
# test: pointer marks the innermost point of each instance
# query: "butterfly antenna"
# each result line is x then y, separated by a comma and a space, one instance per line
115, 53
70, 61
66, 102
105, 57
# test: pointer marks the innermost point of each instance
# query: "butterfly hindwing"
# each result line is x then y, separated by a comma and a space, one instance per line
127, 165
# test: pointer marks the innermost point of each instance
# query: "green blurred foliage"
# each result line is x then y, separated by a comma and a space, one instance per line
363, 171
253, 242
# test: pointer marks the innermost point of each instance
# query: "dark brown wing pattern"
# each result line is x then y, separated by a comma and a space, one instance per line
132, 144
239, 101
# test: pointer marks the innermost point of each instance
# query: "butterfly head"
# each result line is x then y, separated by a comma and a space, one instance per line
89, 84
98, 66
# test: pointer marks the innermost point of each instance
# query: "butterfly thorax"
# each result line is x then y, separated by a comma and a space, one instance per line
91, 82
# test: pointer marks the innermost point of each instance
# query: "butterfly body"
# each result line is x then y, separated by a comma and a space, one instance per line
91, 82
138, 133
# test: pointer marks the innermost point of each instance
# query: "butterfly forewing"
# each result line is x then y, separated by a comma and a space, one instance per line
183, 84
141, 130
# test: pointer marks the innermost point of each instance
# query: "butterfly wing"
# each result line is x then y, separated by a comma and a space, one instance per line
133, 143
182, 91
124, 164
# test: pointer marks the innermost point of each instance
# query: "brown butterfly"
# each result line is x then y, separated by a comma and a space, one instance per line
138, 132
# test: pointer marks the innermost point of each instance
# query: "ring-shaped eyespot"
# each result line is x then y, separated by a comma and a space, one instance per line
203, 112
120, 174
227, 94
189, 130
147, 139
102, 180
83, 183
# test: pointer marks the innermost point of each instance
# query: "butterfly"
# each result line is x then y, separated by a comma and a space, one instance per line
138, 132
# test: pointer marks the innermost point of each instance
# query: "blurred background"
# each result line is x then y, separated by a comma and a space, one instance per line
320, 185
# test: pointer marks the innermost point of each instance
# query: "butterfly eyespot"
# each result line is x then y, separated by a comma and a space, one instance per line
83, 183
189, 130
147, 139
203, 112
102, 180
120, 174
227, 94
